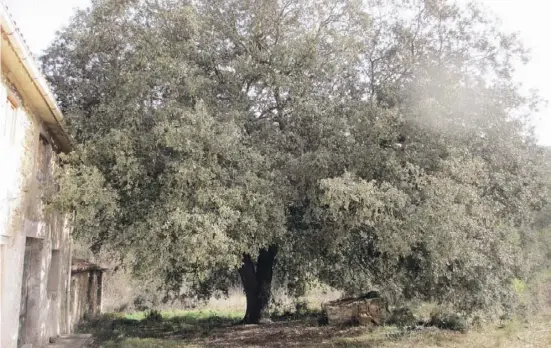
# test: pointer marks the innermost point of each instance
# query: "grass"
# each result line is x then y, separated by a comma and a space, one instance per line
217, 325
194, 316
187, 329
139, 330
514, 334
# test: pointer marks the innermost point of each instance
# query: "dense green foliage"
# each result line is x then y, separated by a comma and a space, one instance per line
371, 143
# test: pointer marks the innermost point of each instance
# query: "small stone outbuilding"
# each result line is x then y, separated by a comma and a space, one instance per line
86, 291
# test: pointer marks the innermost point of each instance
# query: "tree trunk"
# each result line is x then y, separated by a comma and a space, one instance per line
257, 283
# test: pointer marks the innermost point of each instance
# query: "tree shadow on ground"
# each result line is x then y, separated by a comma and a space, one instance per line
112, 327
291, 330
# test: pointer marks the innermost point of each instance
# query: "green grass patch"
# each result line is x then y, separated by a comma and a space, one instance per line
142, 329
189, 316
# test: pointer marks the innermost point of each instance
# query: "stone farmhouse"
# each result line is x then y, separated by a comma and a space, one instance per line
36, 301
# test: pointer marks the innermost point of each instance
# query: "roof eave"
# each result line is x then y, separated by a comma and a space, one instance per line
31, 77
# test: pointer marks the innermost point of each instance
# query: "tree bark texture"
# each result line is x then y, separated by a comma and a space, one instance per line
257, 283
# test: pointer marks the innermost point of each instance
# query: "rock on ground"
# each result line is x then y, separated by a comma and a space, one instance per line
363, 311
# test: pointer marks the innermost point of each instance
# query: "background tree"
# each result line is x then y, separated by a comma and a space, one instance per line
360, 143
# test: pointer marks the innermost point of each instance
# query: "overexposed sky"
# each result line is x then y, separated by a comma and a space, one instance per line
530, 18
39, 20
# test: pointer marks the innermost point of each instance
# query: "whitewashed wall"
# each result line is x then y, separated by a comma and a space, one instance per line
22, 216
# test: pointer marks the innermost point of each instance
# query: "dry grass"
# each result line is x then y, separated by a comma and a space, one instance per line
235, 301
121, 291
532, 333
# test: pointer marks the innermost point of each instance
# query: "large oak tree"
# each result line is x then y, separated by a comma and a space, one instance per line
359, 143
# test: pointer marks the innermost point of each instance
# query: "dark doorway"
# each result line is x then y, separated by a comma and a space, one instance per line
30, 291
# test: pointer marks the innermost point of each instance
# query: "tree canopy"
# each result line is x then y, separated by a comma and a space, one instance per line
364, 144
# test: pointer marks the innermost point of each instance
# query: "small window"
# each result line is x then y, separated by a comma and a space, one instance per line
55, 272
44, 158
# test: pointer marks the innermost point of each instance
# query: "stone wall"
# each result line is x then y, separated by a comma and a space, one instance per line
33, 294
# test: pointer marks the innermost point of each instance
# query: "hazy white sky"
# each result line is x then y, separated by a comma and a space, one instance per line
39, 20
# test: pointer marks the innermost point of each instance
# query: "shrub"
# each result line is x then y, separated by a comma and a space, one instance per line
402, 317
153, 315
323, 319
301, 307
447, 320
